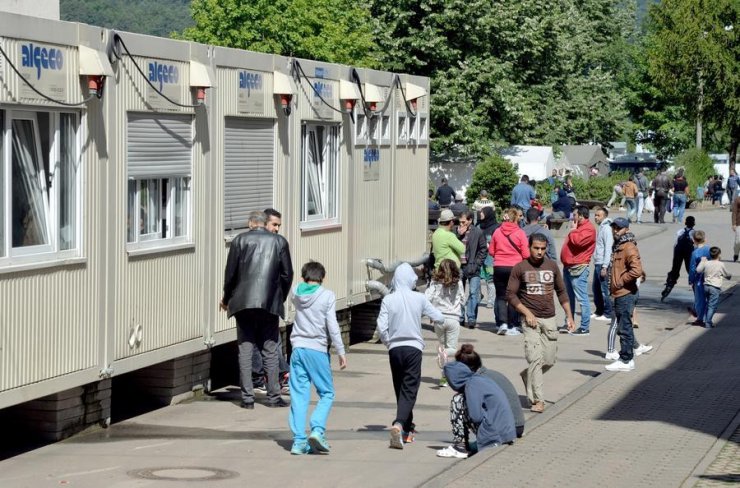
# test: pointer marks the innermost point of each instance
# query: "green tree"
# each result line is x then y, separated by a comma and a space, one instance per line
694, 56
153, 17
497, 176
525, 72
339, 31
698, 166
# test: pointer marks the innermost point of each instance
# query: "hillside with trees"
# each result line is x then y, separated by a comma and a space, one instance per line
155, 17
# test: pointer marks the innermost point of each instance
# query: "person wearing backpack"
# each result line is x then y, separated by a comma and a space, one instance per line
682, 250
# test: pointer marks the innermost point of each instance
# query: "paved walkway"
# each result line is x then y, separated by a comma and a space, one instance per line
656, 426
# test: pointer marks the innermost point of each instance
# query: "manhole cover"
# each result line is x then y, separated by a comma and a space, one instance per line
196, 473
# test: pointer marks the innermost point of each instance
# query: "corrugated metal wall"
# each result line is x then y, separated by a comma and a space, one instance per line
90, 307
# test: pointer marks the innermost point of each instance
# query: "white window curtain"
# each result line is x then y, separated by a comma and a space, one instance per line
315, 157
30, 199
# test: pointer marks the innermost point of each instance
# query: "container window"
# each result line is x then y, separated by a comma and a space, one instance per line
320, 173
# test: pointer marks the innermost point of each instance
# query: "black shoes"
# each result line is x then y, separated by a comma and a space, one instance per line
279, 404
248, 406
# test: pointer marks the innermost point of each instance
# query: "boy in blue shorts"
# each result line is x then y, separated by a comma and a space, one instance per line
315, 323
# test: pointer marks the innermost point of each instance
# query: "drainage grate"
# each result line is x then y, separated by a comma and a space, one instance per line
197, 473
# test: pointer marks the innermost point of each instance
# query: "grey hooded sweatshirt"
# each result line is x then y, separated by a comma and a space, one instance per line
399, 321
316, 320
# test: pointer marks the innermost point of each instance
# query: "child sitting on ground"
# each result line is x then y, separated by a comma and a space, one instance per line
399, 324
315, 322
714, 273
447, 294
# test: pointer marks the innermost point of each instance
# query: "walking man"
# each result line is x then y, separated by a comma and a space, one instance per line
530, 292
576, 256
733, 181
471, 261
642, 191
257, 280
682, 249
273, 222
626, 270
661, 188
602, 258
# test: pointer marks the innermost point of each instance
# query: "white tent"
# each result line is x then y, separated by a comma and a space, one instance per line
537, 162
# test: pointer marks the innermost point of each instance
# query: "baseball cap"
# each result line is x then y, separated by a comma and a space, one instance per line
621, 223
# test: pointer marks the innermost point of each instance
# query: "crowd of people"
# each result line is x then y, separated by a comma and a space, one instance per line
516, 261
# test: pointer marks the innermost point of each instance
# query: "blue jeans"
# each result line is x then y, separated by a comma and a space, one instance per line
711, 293
631, 208
623, 308
640, 205
577, 288
471, 306
700, 301
600, 290
679, 207
309, 367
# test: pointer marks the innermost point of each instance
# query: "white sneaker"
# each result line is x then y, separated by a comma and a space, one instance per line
503, 329
396, 437
451, 452
643, 349
513, 332
612, 356
441, 356
594, 316
603, 318
619, 365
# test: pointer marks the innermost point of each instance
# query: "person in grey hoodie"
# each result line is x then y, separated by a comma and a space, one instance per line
315, 323
602, 258
485, 411
399, 325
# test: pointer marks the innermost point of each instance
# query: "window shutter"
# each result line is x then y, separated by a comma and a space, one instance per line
248, 169
159, 145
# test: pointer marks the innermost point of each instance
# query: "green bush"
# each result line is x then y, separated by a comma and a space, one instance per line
598, 188
698, 166
497, 176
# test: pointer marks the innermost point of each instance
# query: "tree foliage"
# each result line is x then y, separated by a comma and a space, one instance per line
339, 31
525, 72
153, 17
694, 56
698, 166
497, 176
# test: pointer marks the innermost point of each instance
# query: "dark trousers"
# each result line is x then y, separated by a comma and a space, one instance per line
660, 208
258, 371
406, 371
623, 308
675, 271
258, 328
600, 290
504, 313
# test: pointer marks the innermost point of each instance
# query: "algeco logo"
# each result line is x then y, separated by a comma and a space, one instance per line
163, 74
41, 58
323, 88
250, 81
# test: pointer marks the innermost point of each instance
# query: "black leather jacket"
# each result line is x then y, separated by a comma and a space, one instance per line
475, 252
258, 273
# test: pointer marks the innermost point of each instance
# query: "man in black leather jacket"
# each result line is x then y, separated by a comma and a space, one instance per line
257, 280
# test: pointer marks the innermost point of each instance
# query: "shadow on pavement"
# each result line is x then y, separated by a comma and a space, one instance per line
700, 390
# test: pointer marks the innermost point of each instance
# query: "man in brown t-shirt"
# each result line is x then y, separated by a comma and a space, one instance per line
530, 291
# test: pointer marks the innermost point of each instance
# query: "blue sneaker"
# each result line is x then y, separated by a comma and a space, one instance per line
300, 447
317, 441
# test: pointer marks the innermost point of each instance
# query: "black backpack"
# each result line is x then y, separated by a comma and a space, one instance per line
685, 244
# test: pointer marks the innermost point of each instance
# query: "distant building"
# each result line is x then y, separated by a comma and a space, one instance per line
537, 162
45, 9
